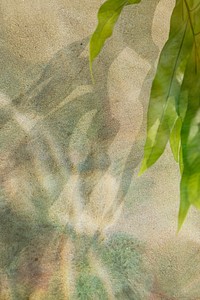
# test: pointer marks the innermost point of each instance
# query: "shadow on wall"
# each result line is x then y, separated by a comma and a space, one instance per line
56, 188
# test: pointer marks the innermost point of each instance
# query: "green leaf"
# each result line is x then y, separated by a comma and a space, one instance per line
175, 138
164, 100
174, 108
181, 160
190, 138
108, 15
183, 210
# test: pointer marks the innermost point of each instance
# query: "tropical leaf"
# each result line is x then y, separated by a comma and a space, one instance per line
173, 113
190, 140
164, 100
108, 15
175, 139
179, 80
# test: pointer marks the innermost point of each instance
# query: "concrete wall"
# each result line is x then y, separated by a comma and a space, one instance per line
70, 153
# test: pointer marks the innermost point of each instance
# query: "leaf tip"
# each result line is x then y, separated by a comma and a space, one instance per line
142, 169
183, 211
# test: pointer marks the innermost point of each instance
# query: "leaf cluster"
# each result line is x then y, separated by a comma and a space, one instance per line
174, 105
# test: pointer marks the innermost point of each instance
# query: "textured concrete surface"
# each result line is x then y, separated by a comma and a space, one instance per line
76, 220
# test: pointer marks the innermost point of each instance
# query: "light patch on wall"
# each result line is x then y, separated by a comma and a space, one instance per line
160, 28
125, 81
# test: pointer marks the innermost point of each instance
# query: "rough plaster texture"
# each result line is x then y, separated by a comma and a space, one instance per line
69, 158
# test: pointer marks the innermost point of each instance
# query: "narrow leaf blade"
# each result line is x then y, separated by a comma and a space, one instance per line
175, 139
164, 98
190, 138
108, 15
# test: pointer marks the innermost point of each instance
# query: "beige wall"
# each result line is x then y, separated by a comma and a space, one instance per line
57, 118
